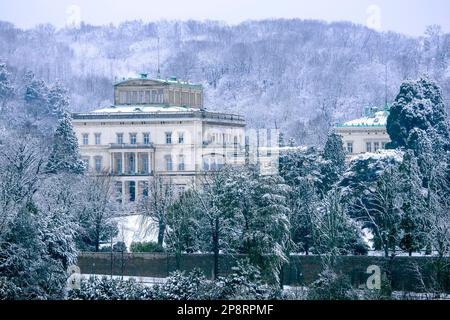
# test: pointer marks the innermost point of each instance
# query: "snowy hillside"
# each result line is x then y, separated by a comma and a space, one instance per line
299, 76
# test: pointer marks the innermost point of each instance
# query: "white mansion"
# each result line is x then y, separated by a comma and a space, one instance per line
366, 134
157, 127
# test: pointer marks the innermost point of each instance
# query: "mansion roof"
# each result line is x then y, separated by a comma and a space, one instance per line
127, 112
371, 119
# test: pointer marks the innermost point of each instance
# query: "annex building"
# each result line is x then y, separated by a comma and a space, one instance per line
366, 134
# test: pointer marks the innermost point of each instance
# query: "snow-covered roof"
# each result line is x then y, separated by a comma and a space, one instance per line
376, 119
172, 81
396, 155
144, 109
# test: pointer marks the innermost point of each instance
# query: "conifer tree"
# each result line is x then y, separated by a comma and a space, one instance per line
65, 156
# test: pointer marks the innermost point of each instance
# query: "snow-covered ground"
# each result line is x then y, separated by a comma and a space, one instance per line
146, 281
134, 228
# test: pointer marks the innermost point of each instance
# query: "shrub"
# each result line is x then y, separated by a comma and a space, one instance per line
331, 286
182, 286
245, 283
146, 247
104, 288
117, 247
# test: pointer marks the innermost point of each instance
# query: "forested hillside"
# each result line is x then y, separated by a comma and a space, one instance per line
299, 76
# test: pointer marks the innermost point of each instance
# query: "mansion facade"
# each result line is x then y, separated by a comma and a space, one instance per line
157, 127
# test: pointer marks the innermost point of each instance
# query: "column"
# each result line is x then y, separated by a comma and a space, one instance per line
149, 164
136, 163
111, 169
123, 162
123, 190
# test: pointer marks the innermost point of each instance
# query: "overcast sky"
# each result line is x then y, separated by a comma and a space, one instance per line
405, 16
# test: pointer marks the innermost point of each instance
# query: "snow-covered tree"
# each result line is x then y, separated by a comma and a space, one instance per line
155, 206
65, 156
333, 231
6, 87
268, 234
334, 165
213, 217
58, 100
182, 226
36, 96
304, 201
380, 205
419, 105
36, 222
97, 212
413, 222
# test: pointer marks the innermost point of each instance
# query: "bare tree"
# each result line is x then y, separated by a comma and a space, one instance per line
381, 206
156, 204
99, 210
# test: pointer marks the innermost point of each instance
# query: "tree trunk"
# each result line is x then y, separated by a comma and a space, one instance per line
216, 247
161, 231
178, 259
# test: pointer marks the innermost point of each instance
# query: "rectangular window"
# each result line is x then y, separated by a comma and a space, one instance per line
132, 190
119, 166
350, 147
118, 187
146, 138
131, 164
143, 186
98, 139
199, 100
181, 137
85, 139
135, 97
142, 97
160, 96
171, 97
369, 146
154, 96
120, 138
168, 137
133, 138
98, 164
376, 146
128, 97
205, 164
181, 166
144, 168
169, 164
177, 98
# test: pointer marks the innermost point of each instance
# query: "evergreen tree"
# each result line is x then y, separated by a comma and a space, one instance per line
37, 226
65, 156
419, 104
35, 96
303, 202
413, 205
58, 101
6, 87
334, 151
268, 234
334, 165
